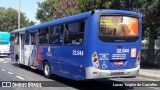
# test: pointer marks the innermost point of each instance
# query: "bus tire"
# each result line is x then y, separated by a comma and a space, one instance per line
47, 69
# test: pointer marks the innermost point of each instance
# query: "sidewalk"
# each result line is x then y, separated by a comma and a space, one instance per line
151, 73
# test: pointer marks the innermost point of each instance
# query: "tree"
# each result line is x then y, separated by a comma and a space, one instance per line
89, 5
46, 9
9, 19
53, 9
151, 19
66, 8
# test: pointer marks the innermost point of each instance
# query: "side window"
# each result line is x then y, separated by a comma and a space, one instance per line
56, 35
12, 38
74, 33
16, 39
33, 39
73, 27
43, 36
27, 38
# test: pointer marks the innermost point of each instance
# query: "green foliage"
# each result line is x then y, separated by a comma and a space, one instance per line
54, 9
9, 19
151, 17
46, 9
89, 5
66, 8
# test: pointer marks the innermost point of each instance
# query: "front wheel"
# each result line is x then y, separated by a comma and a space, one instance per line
47, 70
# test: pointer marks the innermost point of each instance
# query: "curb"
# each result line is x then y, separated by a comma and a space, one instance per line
150, 77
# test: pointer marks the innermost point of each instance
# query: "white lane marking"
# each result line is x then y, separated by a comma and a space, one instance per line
5, 62
9, 72
3, 69
116, 79
154, 88
20, 77
7, 59
1, 60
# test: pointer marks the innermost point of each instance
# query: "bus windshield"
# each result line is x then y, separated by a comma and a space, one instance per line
118, 29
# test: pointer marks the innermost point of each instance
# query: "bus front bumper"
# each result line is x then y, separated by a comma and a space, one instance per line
92, 73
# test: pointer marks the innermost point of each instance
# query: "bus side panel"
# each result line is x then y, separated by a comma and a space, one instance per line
66, 61
42, 52
70, 62
73, 62
12, 52
91, 35
91, 41
12, 48
16, 52
26, 54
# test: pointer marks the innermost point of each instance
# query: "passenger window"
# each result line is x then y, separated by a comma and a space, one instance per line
43, 31
43, 35
73, 27
12, 39
43, 40
17, 39
56, 35
74, 33
55, 40
27, 38
56, 30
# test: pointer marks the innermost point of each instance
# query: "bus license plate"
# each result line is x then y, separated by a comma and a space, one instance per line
117, 73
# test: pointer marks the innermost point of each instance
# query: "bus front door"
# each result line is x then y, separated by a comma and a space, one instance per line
22, 41
33, 48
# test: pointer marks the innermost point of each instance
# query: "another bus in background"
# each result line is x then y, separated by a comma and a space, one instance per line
4, 44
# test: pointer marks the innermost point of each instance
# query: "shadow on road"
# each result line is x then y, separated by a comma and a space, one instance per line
5, 57
149, 67
82, 85
91, 84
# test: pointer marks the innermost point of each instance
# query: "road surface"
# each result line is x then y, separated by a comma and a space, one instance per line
12, 72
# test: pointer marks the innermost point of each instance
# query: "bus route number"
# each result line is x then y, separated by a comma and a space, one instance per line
77, 53
122, 50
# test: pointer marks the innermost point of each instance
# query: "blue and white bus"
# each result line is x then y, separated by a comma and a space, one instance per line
4, 44
91, 45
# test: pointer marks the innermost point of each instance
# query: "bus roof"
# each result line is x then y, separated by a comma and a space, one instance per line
76, 17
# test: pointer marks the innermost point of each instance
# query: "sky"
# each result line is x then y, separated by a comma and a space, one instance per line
29, 7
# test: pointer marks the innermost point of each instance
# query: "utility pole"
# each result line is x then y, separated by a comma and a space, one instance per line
19, 14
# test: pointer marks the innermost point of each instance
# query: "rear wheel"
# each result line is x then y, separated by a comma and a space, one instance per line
47, 70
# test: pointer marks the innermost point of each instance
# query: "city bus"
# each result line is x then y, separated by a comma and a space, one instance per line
4, 44
91, 45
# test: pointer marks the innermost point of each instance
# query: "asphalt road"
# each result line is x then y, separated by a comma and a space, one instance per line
12, 72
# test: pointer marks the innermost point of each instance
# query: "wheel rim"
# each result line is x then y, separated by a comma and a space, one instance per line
47, 69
